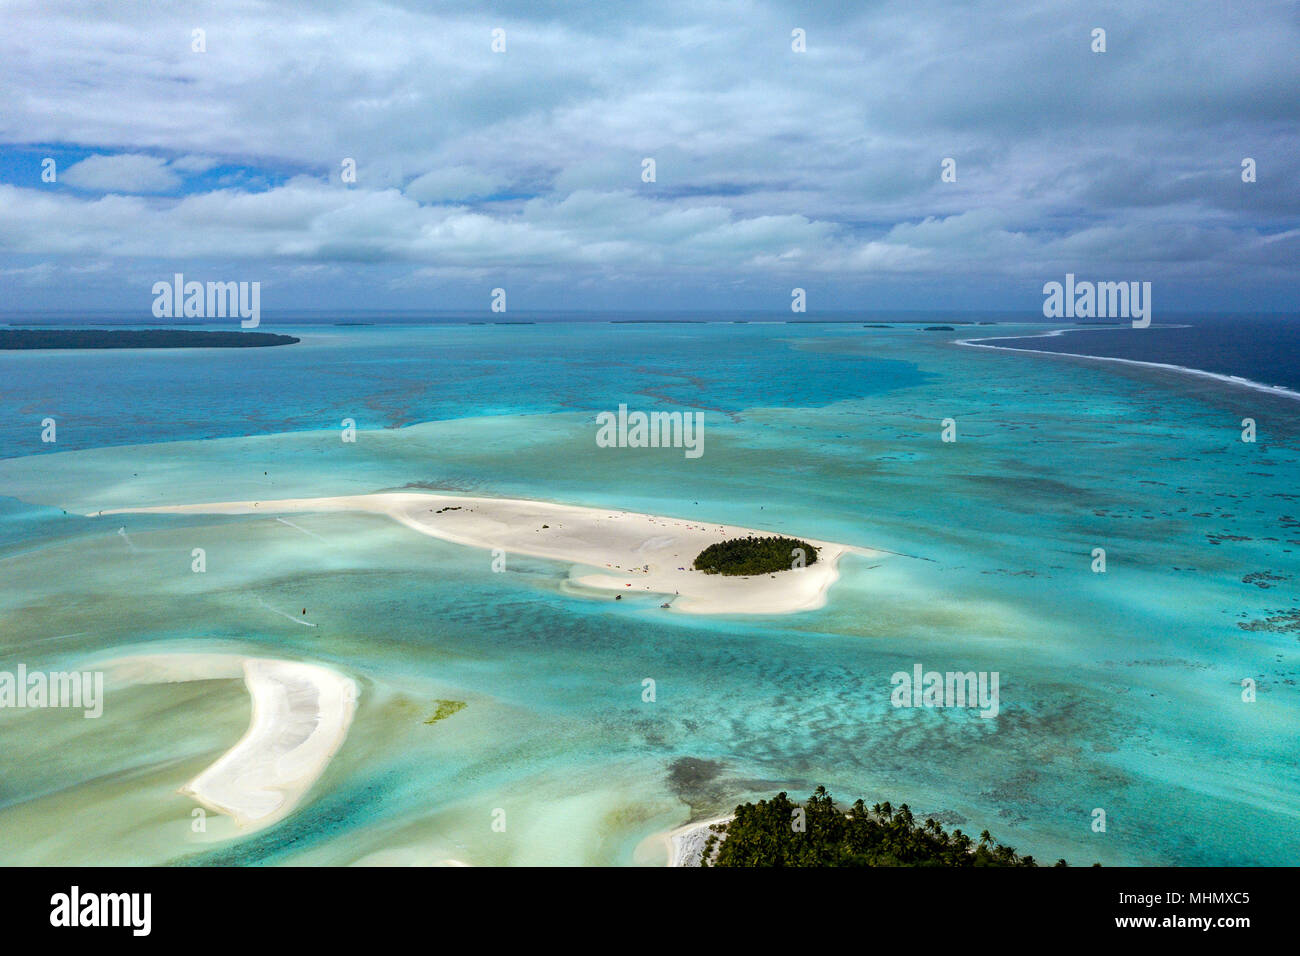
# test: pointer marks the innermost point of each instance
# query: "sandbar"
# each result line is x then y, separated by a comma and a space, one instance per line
611, 550
301, 715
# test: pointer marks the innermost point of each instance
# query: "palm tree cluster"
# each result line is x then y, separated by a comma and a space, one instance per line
774, 833
755, 555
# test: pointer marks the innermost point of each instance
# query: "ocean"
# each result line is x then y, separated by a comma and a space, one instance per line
1263, 349
1121, 691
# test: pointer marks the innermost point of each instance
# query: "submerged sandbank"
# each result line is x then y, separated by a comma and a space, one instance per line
630, 552
301, 715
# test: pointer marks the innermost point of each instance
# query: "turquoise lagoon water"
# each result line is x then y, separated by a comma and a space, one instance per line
1120, 691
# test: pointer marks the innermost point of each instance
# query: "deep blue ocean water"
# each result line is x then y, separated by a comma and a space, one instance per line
1262, 348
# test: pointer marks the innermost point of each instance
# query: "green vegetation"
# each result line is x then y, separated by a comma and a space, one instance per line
769, 834
137, 339
753, 555
445, 709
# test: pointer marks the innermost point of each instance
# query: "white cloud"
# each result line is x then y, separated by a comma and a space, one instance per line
825, 161
194, 164
39, 274
122, 173
452, 183
308, 221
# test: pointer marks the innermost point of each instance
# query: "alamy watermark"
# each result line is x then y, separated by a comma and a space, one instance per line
179, 299
922, 688
76, 689
652, 430
129, 910
1098, 300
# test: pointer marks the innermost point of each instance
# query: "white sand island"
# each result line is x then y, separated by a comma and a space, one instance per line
301, 715
612, 550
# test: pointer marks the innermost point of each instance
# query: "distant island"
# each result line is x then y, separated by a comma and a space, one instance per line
778, 832
137, 339
755, 556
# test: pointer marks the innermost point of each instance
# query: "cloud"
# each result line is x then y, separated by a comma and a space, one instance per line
39, 274
453, 183
826, 161
122, 173
194, 164
310, 221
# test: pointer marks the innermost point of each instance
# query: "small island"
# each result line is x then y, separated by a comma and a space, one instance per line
31, 339
752, 555
779, 832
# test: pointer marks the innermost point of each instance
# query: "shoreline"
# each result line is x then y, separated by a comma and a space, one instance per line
300, 717
625, 552
1280, 391
686, 843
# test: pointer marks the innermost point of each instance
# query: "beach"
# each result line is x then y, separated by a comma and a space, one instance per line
300, 718
686, 843
623, 552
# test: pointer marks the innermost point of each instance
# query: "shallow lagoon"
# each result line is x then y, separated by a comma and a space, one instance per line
1118, 690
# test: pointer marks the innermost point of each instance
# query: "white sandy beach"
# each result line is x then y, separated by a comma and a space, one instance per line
686, 843
620, 551
301, 715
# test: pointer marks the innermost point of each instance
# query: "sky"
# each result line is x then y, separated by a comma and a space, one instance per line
524, 167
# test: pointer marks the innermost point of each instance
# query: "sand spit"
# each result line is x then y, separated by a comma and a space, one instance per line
301, 715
